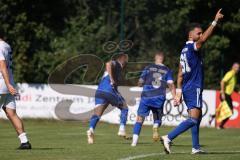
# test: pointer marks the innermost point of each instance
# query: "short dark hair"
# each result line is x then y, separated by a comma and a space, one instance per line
160, 53
119, 55
192, 26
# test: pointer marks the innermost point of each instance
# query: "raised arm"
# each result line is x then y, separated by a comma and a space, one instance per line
210, 29
4, 71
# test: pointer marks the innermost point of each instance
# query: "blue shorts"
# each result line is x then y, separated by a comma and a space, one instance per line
144, 110
193, 98
113, 97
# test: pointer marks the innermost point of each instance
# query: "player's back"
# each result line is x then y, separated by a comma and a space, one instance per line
105, 83
192, 67
6, 54
155, 78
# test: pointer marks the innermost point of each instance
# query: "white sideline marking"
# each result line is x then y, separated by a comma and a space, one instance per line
142, 156
163, 153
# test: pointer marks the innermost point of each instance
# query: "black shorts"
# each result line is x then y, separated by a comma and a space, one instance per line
229, 101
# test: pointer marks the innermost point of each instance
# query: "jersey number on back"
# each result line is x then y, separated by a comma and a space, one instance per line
184, 63
157, 80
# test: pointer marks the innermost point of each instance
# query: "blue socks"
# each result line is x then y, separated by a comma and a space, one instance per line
195, 135
124, 116
123, 119
137, 128
94, 120
158, 122
182, 127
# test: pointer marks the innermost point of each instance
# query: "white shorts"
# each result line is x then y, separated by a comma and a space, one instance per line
8, 101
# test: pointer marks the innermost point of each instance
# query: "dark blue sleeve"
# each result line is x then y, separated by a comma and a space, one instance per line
143, 75
192, 47
169, 76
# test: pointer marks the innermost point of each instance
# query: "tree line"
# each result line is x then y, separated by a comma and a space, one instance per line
44, 34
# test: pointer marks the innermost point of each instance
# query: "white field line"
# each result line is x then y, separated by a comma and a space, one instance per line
162, 153
142, 156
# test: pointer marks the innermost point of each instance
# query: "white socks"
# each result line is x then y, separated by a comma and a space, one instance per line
122, 127
155, 125
91, 130
23, 138
135, 140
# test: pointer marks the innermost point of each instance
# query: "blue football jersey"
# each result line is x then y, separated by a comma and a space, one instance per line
105, 83
155, 79
192, 67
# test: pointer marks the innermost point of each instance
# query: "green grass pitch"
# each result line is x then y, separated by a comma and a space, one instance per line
66, 140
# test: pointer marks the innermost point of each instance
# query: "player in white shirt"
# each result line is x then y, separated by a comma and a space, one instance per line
7, 93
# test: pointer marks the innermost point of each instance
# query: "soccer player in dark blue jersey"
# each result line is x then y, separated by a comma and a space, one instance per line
107, 93
190, 85
155, 78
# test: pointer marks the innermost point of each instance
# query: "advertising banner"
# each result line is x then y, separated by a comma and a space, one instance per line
76, 102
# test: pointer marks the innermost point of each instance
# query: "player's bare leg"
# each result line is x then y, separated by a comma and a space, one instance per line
18, 125
15, 120
98, 111
136, 130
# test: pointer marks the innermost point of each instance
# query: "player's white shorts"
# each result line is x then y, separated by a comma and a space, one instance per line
8, 101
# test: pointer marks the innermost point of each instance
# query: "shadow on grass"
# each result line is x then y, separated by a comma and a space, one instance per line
185, 145
41, 149
225, 152
212, 153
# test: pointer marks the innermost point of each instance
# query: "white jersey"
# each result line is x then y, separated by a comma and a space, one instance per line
6, 54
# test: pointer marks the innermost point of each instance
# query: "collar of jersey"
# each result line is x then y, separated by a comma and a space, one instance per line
159, 64
189, 42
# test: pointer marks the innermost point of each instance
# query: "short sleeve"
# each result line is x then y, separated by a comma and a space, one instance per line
170, 77
195, 46
2, 55
143, 75
227, 76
